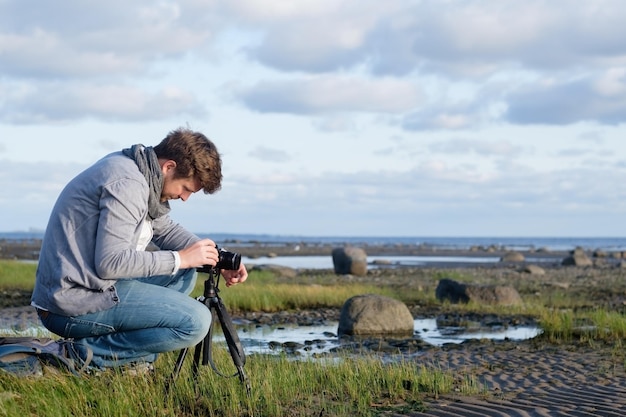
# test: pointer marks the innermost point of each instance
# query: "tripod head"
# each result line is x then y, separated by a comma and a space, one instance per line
211, 283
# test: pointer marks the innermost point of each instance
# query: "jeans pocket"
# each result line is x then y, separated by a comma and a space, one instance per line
78, 328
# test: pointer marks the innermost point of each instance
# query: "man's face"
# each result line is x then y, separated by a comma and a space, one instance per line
175, 188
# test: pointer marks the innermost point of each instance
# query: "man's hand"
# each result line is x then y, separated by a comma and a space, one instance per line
201, 253
233, 277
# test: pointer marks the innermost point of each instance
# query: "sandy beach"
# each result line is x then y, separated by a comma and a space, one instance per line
528, 378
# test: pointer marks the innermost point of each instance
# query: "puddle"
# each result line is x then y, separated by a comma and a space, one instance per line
310, 340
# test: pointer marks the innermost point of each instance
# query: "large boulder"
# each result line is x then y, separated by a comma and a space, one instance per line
456, 292
577, 257
350, 260
371, 314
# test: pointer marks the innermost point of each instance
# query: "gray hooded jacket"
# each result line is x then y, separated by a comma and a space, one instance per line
92, 236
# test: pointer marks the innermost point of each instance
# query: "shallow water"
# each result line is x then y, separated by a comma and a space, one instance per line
323, 338
326, 262
307, 341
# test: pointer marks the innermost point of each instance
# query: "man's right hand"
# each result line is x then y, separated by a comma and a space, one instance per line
201, 253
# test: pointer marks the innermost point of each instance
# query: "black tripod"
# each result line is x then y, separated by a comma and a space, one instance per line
214, 303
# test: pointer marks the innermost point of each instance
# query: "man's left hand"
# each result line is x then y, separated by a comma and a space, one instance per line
233, 277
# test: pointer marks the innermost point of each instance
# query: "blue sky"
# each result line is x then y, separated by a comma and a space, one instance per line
368, 118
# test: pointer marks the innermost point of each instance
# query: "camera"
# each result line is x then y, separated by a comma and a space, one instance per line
227, 260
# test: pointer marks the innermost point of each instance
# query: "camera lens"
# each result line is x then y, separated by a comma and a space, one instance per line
228, 260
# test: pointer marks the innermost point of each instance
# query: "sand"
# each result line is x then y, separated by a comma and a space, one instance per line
526, 380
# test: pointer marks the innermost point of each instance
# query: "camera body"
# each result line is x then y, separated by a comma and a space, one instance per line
226, 260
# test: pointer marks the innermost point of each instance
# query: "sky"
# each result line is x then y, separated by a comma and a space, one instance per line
333, 117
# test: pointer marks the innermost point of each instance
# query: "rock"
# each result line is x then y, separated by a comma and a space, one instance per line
577, 258
452, 291
494, 294
455, 292
375, 315
534, 270
350, 260
278, 270
512, 257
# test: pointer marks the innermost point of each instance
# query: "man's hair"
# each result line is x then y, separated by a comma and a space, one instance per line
195, 156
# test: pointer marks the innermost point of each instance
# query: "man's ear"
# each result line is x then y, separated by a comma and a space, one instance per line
168, 166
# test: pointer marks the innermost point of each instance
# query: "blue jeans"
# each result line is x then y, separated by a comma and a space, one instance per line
154, 315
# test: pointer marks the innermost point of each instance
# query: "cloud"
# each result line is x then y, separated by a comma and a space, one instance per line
113, 38
476, 37
440, 118
500, 148
329, 94
36, 183
295, 41
334, 123
56, 102
438, 197
592, 136
267, 154
583, 99
397, 57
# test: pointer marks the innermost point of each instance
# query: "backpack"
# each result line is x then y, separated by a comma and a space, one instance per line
29, 356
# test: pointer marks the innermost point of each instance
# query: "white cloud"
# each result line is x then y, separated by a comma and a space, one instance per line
486, 148
264, 153
60, 102
332, 94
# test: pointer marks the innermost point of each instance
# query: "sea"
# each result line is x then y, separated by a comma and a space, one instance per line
452, 242
442, 242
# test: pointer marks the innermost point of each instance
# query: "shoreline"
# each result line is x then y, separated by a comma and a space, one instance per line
28, 249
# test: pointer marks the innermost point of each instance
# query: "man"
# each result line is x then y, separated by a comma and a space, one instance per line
98, 285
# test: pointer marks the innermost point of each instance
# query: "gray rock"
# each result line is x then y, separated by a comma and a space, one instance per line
494, 294
350, 260
512, 257
375, 315
278, 270
452, 291
577, 257
534, 270
455, 292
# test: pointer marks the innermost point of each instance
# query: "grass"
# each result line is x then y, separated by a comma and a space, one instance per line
361, 386
262, 292
595, 325
282, 386
17, 275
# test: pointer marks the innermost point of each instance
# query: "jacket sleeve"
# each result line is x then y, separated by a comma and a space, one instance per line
169, 235
123, 207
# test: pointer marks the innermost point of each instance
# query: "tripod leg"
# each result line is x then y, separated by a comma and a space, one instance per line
176, 371
196, 359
